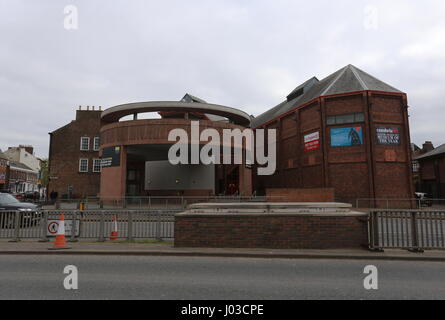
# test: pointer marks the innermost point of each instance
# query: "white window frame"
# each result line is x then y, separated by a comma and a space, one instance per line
96, 142
94, 165
81, 144
80, 165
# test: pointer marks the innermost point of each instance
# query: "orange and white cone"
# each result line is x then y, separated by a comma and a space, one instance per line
114, 233
60, 242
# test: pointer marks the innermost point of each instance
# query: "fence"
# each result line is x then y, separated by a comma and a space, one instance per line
146, 203
406, 229
90, 224
382, 203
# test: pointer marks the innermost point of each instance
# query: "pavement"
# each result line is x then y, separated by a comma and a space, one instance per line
168, 249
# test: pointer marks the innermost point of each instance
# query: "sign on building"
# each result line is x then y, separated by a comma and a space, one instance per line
111, 157
312, 141
346, 137
389, 136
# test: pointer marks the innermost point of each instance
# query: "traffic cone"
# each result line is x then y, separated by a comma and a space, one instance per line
60, 242
114, 232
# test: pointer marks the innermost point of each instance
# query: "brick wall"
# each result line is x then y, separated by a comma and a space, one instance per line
366, 171
65, 154
334, 231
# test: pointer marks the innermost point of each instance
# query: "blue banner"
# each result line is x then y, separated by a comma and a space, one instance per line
346, 137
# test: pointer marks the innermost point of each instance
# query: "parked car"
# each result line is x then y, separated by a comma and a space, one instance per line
423, 200
18, 196
33, 196
30, 214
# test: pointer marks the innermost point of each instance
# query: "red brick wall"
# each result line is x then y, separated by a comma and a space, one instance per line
270, 231
65, 154
366, 171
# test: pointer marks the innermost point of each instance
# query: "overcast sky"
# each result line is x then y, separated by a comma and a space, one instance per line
245, 54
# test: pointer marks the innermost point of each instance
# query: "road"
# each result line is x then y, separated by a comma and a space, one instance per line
178, 278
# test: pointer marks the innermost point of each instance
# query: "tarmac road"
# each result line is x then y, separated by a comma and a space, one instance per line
129, 277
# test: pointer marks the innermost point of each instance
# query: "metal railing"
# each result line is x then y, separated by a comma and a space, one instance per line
396, 203
90, 224
147, 203
406, 229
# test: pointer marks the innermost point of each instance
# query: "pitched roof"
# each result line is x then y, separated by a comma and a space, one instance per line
20, 165
189, 98
193, 99
438, 151
347, 79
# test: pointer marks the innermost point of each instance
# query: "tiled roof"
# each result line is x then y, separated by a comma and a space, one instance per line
347, 79
438, 151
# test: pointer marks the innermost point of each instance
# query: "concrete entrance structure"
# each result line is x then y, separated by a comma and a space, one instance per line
271, 225
135, 152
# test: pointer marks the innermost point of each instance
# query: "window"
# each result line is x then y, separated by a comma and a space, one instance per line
84, 144
83, 165
97, 165
96, 143
416, 166
345, 118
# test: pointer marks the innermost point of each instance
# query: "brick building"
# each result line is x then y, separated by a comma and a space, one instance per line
432, 171
3, 171
74, 165
348, 131
22, 178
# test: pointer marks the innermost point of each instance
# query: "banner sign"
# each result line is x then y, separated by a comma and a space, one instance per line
111, 157
312, 141
346, 137
389, 136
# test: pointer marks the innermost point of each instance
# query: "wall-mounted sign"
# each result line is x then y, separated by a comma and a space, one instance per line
389, 136
346, 137
312, 141
111, 157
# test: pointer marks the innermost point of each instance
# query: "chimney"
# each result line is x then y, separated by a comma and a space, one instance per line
427, 146
29, 149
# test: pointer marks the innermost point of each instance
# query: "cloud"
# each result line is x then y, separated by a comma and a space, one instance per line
239, 53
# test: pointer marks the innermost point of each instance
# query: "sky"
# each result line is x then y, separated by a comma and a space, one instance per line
240, 53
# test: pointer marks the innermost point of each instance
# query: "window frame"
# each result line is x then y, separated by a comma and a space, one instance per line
358, 117
94, 165
87, 165
81, 143
96, 140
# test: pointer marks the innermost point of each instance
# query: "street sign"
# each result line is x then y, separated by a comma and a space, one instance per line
53, 226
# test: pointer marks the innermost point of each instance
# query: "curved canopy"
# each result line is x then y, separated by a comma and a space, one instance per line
115, 113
